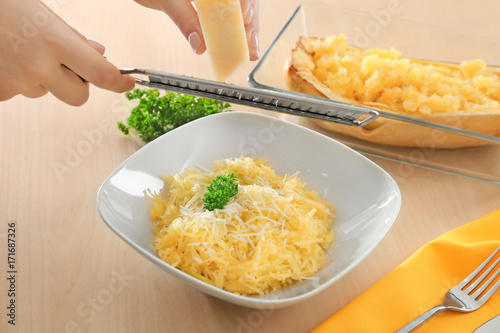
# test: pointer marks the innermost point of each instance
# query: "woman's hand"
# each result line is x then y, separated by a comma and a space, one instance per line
39, 53
184, 15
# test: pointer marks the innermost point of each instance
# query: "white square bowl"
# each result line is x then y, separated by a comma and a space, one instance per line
366, 198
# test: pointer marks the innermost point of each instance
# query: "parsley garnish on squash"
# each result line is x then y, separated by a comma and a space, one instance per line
155, 115
220, 191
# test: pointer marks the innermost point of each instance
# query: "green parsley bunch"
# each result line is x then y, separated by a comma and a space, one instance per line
220, 191
155, 115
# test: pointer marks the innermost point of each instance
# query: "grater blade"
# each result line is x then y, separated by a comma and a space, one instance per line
287, 102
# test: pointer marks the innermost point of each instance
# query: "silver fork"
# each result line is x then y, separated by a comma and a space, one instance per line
465, 296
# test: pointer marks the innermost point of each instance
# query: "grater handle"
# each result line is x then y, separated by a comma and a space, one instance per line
287, 102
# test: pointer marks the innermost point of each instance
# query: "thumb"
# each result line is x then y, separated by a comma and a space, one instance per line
184, 15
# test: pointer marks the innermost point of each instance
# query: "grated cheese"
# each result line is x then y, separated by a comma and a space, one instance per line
385, 78
273, 233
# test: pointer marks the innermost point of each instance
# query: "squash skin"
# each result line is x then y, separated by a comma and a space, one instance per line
299, 77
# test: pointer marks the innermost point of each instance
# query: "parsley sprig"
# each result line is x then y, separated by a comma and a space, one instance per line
155, 115
220, 191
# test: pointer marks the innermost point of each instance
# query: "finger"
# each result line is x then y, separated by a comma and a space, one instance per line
8, 85
94, 68
53, 15
6, 94
35, 92
87, 63
250, 10
67, 86
96, 46
12, 85
185, 17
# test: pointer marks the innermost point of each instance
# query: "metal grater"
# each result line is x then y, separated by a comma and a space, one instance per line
292, 103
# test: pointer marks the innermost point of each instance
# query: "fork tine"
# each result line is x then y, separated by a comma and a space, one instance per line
480, 279
488, 294
472, 275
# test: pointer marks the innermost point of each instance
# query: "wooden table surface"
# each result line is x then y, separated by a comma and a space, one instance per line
76, 275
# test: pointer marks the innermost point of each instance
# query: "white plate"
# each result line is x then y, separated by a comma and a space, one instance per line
366, 198
491, 326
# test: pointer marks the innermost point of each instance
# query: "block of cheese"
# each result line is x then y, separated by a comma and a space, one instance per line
224, 32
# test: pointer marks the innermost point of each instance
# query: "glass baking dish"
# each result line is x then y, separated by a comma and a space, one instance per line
414, 40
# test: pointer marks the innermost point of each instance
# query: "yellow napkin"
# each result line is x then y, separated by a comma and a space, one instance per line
421, 282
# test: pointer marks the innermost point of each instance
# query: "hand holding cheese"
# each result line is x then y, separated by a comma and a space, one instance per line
229, 28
